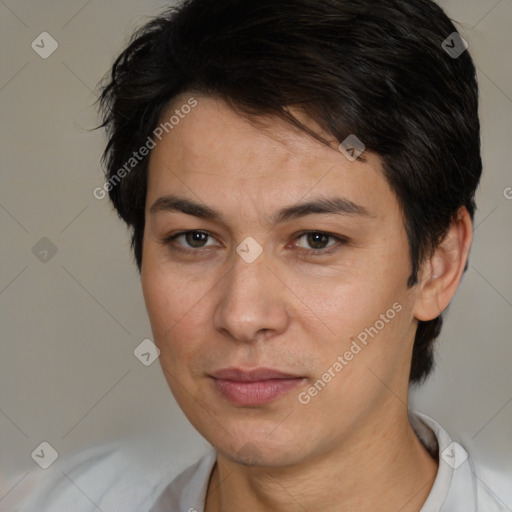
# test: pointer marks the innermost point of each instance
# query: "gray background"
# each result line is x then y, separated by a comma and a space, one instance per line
70, 324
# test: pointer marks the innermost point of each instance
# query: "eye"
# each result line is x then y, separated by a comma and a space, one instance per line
192, 239
319, 241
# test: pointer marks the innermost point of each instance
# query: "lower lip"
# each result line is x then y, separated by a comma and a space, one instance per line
254, 393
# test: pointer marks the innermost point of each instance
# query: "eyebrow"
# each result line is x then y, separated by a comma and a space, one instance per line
332, 205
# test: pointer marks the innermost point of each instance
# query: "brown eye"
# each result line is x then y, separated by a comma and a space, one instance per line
196, 238
317, 240
189, 240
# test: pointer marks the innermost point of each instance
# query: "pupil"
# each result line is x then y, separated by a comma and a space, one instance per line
195, 238
316, 239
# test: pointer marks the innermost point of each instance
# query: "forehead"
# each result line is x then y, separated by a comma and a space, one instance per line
213, 152
213, 128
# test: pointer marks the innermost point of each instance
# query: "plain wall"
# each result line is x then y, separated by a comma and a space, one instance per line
70, 325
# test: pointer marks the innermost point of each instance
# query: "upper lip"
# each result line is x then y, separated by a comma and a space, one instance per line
253, 375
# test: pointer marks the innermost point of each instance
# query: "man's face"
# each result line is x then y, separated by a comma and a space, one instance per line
325, 301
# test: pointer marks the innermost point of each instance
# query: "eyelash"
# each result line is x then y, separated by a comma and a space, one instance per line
311, 252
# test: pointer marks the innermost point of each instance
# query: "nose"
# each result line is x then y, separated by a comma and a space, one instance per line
252, 302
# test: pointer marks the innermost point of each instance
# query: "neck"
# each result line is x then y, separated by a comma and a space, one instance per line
384, 467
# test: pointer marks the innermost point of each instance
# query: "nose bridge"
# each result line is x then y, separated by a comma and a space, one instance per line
250, 300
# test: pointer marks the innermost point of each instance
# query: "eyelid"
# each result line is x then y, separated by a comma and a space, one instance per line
169, 239
340, 240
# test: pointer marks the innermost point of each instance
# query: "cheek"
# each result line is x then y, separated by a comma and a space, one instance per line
168, 296
177, 312
158, 296
178, 317
362, 315
338, 306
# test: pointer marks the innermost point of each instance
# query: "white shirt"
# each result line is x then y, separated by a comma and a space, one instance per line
110, 482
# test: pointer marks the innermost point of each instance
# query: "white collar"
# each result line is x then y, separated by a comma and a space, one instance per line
454, 490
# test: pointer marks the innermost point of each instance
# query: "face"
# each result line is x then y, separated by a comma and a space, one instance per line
270, 254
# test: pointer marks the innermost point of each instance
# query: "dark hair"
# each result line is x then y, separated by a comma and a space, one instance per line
374, 69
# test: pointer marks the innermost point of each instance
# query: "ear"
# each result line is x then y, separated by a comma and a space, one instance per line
442, 272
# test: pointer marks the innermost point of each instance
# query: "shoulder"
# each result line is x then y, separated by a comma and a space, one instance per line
107, 477
486, 497
120, 478
187, 492
459, 485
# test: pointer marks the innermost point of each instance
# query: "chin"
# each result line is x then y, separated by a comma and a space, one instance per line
256, 451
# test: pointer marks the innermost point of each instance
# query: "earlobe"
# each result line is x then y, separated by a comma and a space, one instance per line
442, 272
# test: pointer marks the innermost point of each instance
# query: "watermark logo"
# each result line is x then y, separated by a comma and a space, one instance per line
454, 455
44, 45
454, 45
146, 352
249, 250
45, 455
44, 250
352, 147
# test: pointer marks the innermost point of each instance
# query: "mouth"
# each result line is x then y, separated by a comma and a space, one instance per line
253, 387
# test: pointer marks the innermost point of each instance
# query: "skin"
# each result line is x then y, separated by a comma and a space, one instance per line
351, 447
